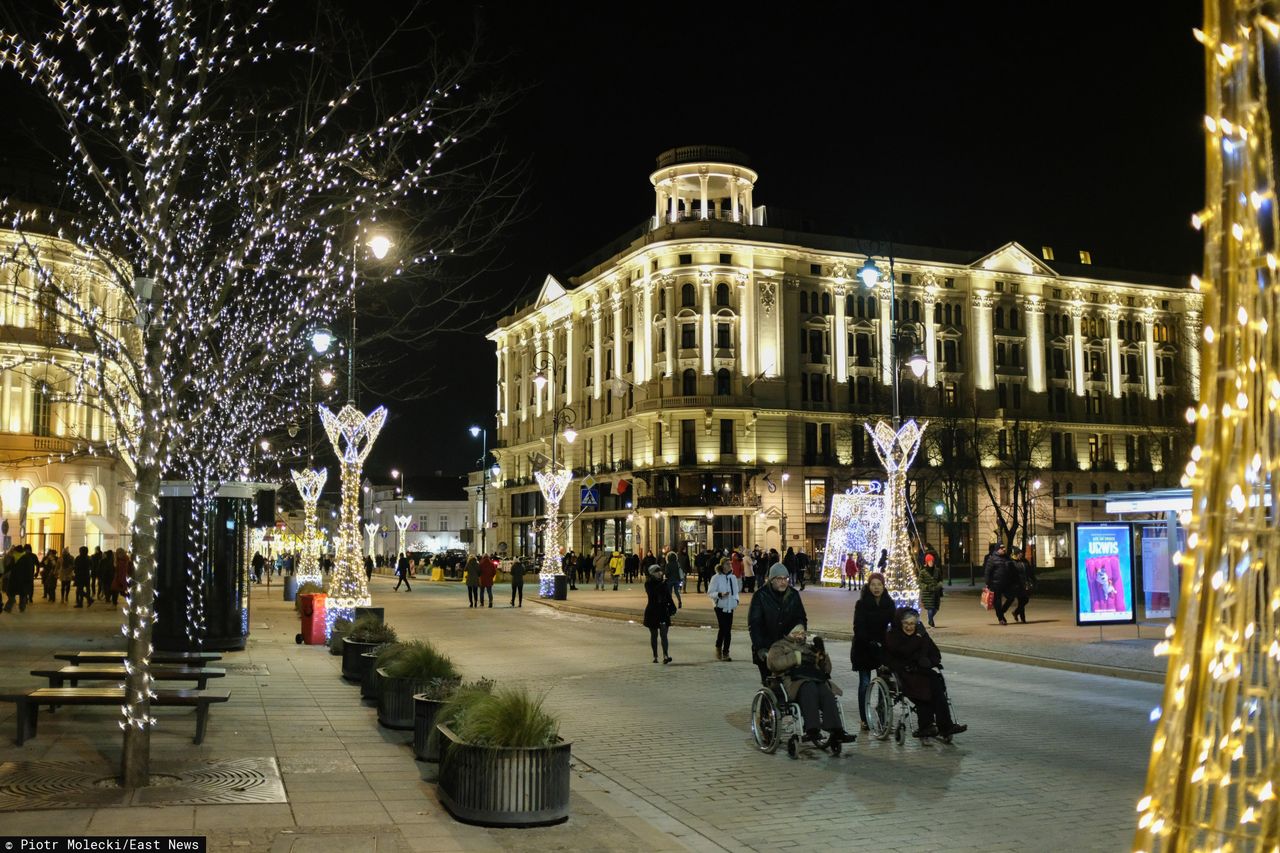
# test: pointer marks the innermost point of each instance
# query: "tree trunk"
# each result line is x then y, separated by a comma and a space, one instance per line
135, 771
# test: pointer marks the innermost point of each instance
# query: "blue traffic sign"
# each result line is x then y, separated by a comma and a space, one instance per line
590, 497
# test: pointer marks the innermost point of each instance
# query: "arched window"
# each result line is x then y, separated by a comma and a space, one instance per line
871, 309
826, 302
848, 305
46, 517
1013, 319
722, 294
937, 313
804, 302
915, 311
689, 383
723, 382
687, 296
41, 409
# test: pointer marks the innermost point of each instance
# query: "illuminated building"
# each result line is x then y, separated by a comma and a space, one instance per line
721, 344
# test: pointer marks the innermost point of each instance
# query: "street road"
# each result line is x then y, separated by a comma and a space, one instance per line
1053, 760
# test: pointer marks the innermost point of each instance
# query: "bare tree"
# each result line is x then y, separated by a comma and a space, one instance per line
1006, 453
223, 181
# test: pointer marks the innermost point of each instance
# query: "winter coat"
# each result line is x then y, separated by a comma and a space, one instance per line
798, 663
661, 606
22, 577
773, 615
488, 570
617, 563
736, 562
683, 557
83, 570
724, 583
930, 588
911, 656
674, 569
871, 619
602, 562
66, 567
999, 574
472, 571
123, 571
517, 572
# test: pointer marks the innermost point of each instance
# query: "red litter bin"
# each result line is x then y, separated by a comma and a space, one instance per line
312, 606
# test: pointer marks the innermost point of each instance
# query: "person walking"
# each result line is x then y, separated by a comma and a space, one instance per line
402, 573
850, 572
930, 588
66, 572
22, 585
488, 571
631, 570
775, 610
517, 582
676, 576
569, 566
617, 565
658, 611
368, 569
258, 563
789, 562
1000, 576
49, 575
724, 591
472, 575
103, 571
748, 571
1026, 582
121, 576
601, 566
702, 569
872, 616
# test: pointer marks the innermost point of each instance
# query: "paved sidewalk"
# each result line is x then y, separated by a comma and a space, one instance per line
1050, 637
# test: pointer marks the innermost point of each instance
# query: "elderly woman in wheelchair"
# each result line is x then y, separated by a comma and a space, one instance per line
800, 688
914, 667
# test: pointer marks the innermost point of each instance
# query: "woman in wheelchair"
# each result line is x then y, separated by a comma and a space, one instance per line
806, 677
916, 663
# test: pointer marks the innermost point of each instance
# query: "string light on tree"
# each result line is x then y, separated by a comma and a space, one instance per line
1215, 760
552, 482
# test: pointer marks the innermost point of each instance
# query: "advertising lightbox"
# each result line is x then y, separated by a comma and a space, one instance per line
1104, 574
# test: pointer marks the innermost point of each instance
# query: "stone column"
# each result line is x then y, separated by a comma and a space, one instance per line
703, 178
553, 381
645, 368
5, 386
746, 327
734, 189
1077, 346
886, 334
597, 349
1035, 345
618, 361
668, 284
840, 344
571, 360
750, 217
708, 342
657, 206
930, 338
540, 394
1149, 340
525, 378
1113, 348
674, 201
983, 363
504, 383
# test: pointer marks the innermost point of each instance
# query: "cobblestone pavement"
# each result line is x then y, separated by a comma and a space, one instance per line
1054, 760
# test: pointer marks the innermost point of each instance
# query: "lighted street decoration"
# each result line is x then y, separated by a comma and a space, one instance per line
371, 529
402, 525
352, 435
310, 483
897, 450
856, 526
552, 482
1211, 784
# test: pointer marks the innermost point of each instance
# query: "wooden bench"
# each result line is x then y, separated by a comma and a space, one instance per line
109, 656
29, 703
73, 675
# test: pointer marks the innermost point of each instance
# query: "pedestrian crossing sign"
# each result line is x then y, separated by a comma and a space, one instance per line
590, 497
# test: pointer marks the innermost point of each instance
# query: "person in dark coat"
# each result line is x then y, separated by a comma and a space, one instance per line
916, 663
84, 576
930, 584
472, 576
517, 582
774, 611
402, 573
1001, 577
1026, 582
872, 616
658, 611
22, 579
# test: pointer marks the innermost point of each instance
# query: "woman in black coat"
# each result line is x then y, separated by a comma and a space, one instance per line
872, 616
657, 613
916, 661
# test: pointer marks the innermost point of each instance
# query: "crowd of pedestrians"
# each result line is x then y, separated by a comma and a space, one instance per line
100, 576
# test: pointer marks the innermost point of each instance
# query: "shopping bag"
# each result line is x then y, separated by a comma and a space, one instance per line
987, 599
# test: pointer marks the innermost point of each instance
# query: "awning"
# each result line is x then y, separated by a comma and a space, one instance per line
102, 524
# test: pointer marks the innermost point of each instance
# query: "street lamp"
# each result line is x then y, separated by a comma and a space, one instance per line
483, 435
396, 473
917, 361
785, 477
553, 482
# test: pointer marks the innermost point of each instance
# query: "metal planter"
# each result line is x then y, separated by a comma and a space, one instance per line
395, 701
424, 723
371, 682
504, 786
353, 662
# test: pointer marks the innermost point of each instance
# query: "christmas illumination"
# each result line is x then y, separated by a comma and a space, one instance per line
1215, 759
402, 525
856, 527
310, 483
352, 435
897, 450
371, 530
552, 482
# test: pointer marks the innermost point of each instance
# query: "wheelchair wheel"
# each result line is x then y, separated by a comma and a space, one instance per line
900, 733
764, 721
879, 709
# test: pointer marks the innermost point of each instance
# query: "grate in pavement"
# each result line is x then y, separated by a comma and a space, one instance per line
243, 668
35, 785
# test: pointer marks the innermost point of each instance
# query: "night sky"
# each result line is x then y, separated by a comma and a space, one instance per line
962, 125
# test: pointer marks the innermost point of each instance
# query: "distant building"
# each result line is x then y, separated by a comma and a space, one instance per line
438, 507
722, 346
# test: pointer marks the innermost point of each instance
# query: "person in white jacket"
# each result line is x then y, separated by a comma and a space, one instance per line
724, 591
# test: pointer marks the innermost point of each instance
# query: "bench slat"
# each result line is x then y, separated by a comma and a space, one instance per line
113, 656
28, 704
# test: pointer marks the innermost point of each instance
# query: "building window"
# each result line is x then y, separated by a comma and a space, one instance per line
688, 336
1000, 355
689, 383
723, 340
726, 260
1002, 393
722, 294
723, 382
444, 522
817, 385
662, 340
1017, 396
688, 443
41, 410
662, 299
726, 435
815, 496
826, 302
686, 259
688, 296
810, 444
815, 269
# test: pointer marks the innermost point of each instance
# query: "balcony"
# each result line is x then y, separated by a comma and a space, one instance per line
21, 444
697, 401
663, 500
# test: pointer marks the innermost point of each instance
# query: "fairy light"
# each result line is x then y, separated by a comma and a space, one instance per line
402, 526
552, 482
1214, 756
856, 527
352, 435
310, 483
897, 450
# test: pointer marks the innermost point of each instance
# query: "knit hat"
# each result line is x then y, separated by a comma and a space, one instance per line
799, 626
780, 571
875, 576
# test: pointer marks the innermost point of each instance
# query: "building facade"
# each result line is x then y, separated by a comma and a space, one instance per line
438, 522
61, 482
719, 367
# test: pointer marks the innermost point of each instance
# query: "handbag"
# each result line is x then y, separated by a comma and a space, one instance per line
987, 599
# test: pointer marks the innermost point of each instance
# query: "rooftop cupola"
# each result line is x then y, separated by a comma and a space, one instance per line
695, 182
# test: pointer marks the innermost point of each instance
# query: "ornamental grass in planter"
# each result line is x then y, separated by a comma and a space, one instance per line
503, 762
366, 634
407, 673
338, 633
428, 705
371, 684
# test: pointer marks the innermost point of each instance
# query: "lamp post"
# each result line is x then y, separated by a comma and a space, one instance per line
555, 479
785, 477
397, 474
483, 435
869, 274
